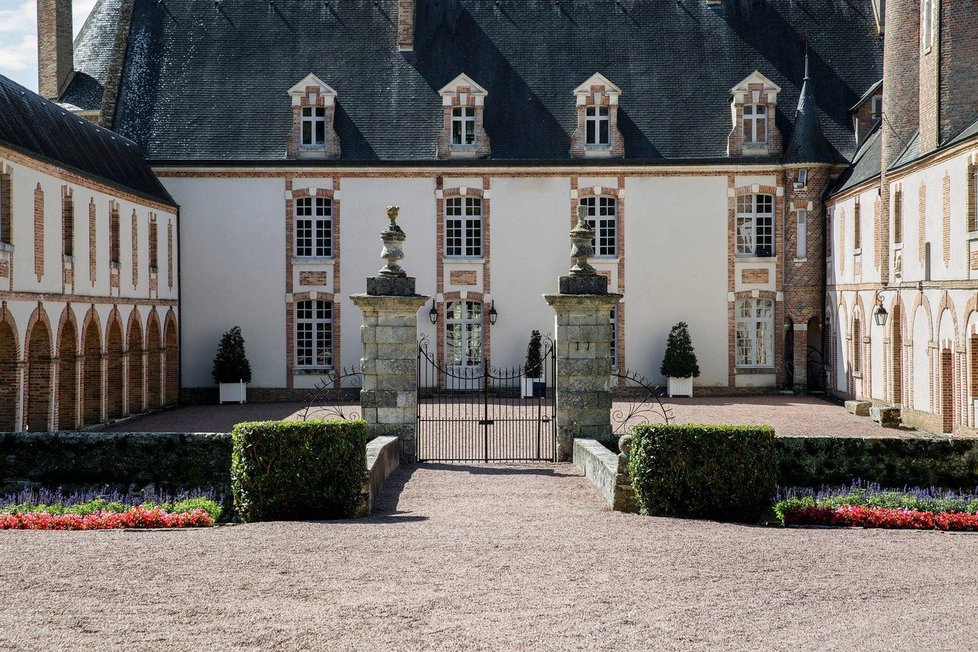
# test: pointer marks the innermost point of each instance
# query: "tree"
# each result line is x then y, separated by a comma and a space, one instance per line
680, 360
534, 357
231, 364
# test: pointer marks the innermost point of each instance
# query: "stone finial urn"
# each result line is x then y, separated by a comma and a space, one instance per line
391, 280
582, 279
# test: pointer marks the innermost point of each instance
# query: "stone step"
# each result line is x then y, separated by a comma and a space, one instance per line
888, 417
859, 408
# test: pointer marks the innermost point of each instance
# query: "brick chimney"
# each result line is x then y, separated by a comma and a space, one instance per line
901, 81
55, 56
405, 25
958, 91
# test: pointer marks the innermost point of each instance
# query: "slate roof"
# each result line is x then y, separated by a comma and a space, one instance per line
807, 144
40, 128
93, 48
865, 164
206, 81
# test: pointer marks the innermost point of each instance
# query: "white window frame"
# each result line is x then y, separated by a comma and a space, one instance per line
755, 228
464, 334
877, 107
755, 121
802, 177
801, 239
463, 227
313, 227
315, 118
601, 214
314, 335
463, 126
755, 333
597, 126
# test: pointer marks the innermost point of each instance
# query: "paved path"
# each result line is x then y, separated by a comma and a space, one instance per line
489, 558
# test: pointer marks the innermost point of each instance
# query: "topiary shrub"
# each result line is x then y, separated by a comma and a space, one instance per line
680, 360
231, 364
727, 473
533, 368
297, 470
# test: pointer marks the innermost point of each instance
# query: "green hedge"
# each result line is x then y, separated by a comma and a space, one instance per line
719, 472
296, 470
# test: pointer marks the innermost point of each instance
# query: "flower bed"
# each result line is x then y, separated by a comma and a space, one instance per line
881, 517
137, 517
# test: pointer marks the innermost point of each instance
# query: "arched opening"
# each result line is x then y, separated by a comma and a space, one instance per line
9, 387
172, 359
92, 374
973, 372
897, 354
947, 391
114, 377
38, 409
921, 360
789, 353
135, 367
67, 377
814, 360
154, 366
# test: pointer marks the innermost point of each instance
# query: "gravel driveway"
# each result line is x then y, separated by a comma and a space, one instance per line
489, 558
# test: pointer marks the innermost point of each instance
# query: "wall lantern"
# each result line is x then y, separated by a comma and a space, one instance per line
493, 315
433, 313
880, 314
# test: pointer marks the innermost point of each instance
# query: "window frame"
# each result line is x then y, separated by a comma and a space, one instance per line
604, 224
464, 229
597, 123
317, 126
320, 330
457, 355
319, 231
747, 224
758, 114
464, 117
753, 330
801, 233
876, 107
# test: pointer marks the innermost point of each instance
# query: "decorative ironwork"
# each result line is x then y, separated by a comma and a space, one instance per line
477, 412
818, 371
636, 401
336, 397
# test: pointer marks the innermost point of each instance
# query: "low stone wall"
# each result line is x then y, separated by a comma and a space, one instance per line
889, 461
383, 458
608, 472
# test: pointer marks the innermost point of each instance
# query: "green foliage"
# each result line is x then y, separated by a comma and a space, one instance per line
889, 499
720, 472
533, 368
102, 505
297, 470
680, 360
231, 364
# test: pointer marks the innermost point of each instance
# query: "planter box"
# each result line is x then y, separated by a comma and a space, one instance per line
234, 392
533, 388
680, 386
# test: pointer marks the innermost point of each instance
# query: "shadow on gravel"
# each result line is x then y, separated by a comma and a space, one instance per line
390, 495
490, 469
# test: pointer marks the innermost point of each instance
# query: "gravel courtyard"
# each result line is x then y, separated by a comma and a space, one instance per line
489, 558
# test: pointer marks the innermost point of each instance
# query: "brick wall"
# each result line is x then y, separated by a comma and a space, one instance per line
39, 232
901, 82
54, 46
959, 66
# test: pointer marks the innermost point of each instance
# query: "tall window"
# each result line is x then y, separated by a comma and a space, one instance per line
463, 126
857, 344
602, 216
801, 243
927, 29
68, 225
463, 226
857, 227
314, 335
597, 123
313, 126
313, 227
755, 333
154, 245
755, 124
898, 216
463, 333
115, 243
755, 225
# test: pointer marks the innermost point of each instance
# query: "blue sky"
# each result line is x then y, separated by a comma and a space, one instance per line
18, 37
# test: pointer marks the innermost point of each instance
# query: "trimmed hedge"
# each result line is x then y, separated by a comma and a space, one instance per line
719, 472
297, 470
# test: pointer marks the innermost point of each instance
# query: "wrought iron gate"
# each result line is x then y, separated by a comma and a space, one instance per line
484, 413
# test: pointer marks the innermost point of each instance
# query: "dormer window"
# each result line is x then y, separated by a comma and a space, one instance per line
313, 108
877, 107
597, 132
463, 105
801, 180
752, 107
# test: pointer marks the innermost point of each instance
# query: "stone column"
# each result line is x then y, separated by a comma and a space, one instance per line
583, 346
389, 334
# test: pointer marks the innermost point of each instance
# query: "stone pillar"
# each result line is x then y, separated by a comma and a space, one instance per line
583, 347
389, 334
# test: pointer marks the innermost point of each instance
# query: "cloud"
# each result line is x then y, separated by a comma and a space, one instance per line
18, 37
19, 20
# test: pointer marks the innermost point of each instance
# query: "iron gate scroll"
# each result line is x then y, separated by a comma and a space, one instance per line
485, 414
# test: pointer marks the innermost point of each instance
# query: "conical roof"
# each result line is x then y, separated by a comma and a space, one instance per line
807, 144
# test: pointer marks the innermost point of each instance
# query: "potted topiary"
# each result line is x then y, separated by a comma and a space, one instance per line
534, 385
232, 372
679, 365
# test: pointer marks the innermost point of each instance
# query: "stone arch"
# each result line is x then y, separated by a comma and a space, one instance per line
114, 367
896, 350
37, 348
841, 353
172, 355
947, 305
9, 374
154, 362
921, 338
134, 346
91, 369
946, 389
67, 352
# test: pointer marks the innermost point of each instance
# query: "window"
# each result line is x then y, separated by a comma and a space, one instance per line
927, 29
463, 226
68, 225
755, 124
597, 122
856, 239
898, 216
313, 227
313, 126
755, 333
755, 225
463, 333
801, 243
314, 335
857, 345
154, 245
613, 320
877, 107
114, 238
463, 126
602, 216
802, 177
